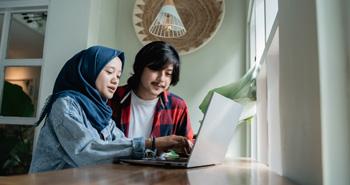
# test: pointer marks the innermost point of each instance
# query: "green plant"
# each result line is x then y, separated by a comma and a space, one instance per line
242, 91
16, 142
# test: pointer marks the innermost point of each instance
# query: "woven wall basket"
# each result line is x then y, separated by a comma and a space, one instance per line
201, 18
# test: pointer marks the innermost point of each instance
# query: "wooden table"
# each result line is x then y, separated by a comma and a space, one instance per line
237, 172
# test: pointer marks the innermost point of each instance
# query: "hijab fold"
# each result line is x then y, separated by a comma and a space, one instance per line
77, 80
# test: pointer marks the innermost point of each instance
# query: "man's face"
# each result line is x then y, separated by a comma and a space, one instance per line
154, 82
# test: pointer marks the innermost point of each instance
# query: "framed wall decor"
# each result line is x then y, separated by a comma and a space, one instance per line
201, 18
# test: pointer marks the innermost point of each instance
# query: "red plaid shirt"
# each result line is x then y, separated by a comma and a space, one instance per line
170, 117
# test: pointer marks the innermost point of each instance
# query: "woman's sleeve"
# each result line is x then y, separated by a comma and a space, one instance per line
83, 146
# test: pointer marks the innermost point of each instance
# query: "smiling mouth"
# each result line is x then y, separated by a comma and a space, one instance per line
111, 89
157, 85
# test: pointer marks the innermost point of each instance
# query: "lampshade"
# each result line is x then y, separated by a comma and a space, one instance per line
167, 24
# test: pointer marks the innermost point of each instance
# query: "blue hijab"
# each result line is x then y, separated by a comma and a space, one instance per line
77, 80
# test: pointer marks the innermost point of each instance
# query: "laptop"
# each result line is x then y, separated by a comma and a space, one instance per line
214, 136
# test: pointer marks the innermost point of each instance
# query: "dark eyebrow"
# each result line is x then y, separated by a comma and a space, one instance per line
169, 68
110, 66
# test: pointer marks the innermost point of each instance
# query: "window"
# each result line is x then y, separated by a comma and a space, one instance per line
271, 7
259, 28
21, 57
264, 51
252, 40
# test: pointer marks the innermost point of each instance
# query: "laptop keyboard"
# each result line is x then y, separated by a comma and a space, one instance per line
181, 159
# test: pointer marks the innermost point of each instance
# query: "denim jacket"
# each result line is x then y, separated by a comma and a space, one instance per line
67, 139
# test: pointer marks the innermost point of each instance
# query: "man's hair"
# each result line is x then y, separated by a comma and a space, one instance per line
155, 55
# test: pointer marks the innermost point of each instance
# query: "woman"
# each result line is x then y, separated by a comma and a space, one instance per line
78, 130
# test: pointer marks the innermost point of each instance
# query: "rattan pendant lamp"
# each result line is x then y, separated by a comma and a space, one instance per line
167, 24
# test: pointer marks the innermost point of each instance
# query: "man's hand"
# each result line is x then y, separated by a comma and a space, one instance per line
180, 144
171, 142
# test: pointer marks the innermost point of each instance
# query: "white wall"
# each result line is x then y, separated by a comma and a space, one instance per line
299, 92
273, 105
104, 27
333, 29
218, 63
262, 122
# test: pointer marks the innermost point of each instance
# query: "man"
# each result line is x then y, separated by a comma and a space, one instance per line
144, 107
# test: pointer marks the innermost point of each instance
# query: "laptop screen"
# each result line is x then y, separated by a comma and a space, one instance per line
216, 131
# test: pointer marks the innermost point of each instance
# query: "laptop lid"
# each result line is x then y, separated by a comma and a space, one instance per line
213, 138
216, 131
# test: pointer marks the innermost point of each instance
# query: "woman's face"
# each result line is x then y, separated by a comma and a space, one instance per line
108, 79
154, 82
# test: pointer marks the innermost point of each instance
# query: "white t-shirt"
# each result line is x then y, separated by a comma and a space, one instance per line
141, 118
